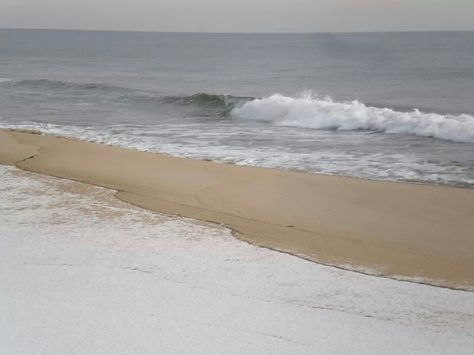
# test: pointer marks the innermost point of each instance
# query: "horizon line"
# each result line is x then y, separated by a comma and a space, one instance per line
223, 32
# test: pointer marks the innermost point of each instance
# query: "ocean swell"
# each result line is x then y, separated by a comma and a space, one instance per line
206, 104
309, 111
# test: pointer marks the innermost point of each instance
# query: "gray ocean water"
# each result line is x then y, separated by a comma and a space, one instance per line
387, 106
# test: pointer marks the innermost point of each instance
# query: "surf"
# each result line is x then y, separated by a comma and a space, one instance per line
309, 111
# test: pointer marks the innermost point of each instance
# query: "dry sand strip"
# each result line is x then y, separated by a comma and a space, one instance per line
398, 230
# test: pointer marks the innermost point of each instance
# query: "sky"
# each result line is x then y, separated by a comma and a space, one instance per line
239, 15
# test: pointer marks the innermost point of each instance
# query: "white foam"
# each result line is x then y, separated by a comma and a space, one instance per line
391, 166
312, 112
86, 273
5, 80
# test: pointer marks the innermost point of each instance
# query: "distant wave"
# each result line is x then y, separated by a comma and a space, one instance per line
209, 104
324, 113
58, 84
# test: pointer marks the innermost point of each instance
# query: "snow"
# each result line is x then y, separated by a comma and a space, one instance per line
83, 273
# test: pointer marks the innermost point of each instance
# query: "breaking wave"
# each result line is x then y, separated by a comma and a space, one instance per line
311, 112
222, 105
307, 111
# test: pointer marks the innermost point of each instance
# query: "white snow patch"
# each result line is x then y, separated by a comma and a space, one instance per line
83, 273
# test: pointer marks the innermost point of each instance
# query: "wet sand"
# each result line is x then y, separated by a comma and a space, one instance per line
401, 230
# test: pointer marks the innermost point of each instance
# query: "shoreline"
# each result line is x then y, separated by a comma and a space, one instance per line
392, 229
133, 270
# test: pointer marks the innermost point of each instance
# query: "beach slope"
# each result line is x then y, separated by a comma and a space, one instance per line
410, 231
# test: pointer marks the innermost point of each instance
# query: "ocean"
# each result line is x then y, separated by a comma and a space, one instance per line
383, 106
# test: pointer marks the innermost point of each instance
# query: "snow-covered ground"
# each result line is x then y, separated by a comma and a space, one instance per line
83, 273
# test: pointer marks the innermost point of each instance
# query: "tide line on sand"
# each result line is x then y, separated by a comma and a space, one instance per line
82, 271
408, 231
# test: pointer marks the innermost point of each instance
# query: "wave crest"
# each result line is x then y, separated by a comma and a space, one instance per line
309, 111
58, 84
209, 104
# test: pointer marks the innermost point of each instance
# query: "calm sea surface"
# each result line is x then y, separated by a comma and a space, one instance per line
389, 106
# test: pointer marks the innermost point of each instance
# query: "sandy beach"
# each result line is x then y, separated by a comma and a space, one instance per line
83, 272
400, 230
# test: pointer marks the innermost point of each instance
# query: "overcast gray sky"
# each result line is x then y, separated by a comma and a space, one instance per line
240, 15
